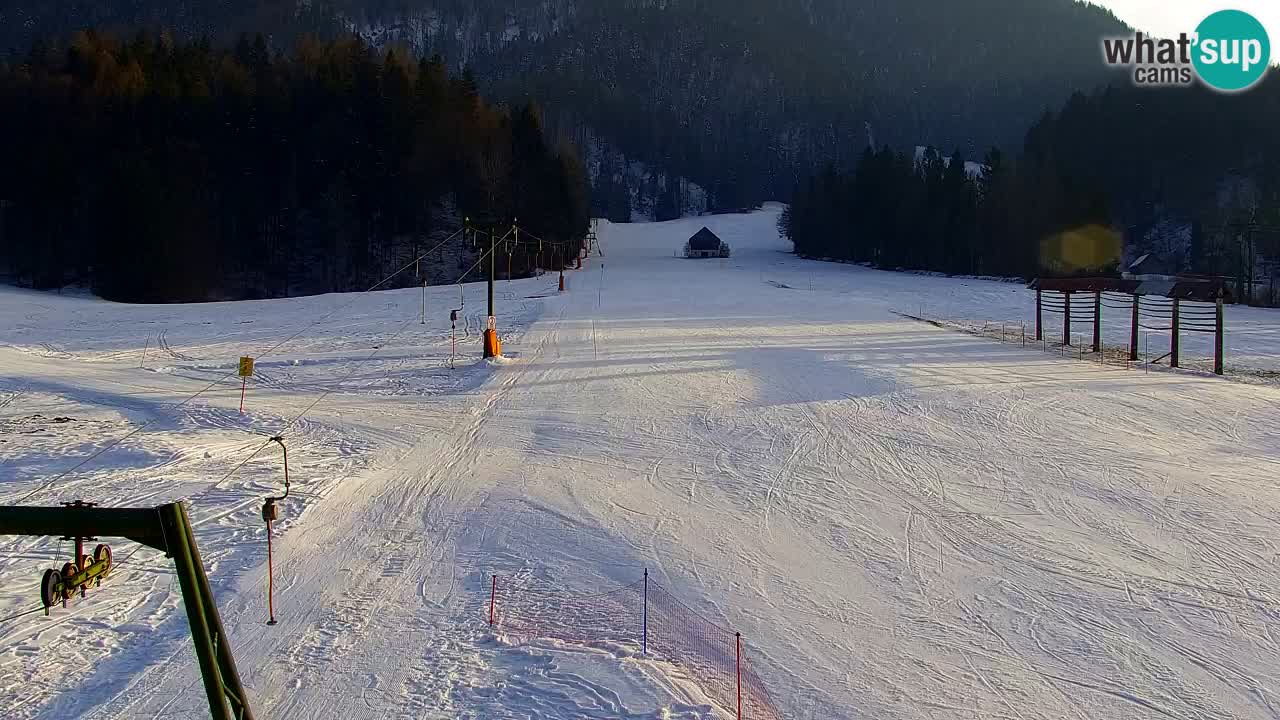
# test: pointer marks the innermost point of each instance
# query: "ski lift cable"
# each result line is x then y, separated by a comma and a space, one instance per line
381, 346
116, 443
274, 438
19, 614
326, 393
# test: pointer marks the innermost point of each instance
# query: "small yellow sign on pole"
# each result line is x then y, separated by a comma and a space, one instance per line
246, 371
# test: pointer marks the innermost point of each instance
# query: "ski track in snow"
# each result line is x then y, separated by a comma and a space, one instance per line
903, 521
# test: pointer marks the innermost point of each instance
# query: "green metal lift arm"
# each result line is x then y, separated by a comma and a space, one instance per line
167, 529
142, 525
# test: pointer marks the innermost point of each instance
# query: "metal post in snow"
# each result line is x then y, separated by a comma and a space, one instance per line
644, 642
1097, 321
492, 346
1039, 331
1133, 329
493, 248
424, 302
271, 603
1218, 339
1173, 339
738, 639
1066, 319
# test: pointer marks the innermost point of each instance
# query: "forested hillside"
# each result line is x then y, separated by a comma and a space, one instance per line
157, 170
742, 97
1190, 162
746, 97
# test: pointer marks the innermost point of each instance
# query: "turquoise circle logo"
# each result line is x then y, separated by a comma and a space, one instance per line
1232, 50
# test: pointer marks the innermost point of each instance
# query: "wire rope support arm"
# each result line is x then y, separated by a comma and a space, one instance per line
279, 440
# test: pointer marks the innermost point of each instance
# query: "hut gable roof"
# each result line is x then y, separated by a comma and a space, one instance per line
704, 239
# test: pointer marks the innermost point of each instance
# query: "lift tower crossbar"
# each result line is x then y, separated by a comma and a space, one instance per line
167, 529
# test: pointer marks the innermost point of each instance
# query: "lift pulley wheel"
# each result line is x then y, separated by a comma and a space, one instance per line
51, 587
58, 585
102, 554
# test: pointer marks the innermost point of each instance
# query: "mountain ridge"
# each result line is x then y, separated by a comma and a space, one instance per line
744, 98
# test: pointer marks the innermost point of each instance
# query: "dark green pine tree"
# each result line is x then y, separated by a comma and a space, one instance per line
573, 201
669, 205
619, 200
958, 217
869, 214
238, 173
533, 175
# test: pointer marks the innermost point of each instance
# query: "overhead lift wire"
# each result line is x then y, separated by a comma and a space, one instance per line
15, 616
115, 443
279, 436
381, 346
274, 438
322, 396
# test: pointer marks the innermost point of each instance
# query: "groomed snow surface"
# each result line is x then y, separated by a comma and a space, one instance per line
902, 521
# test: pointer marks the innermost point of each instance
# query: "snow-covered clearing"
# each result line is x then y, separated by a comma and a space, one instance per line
902, 521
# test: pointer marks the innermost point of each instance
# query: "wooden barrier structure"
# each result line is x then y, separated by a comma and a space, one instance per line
1175, 305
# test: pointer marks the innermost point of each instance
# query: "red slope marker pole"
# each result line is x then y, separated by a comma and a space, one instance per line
271, 605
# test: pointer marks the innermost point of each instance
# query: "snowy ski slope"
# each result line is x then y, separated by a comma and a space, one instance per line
903, 521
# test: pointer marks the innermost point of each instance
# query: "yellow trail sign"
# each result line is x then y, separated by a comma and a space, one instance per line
246, 367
